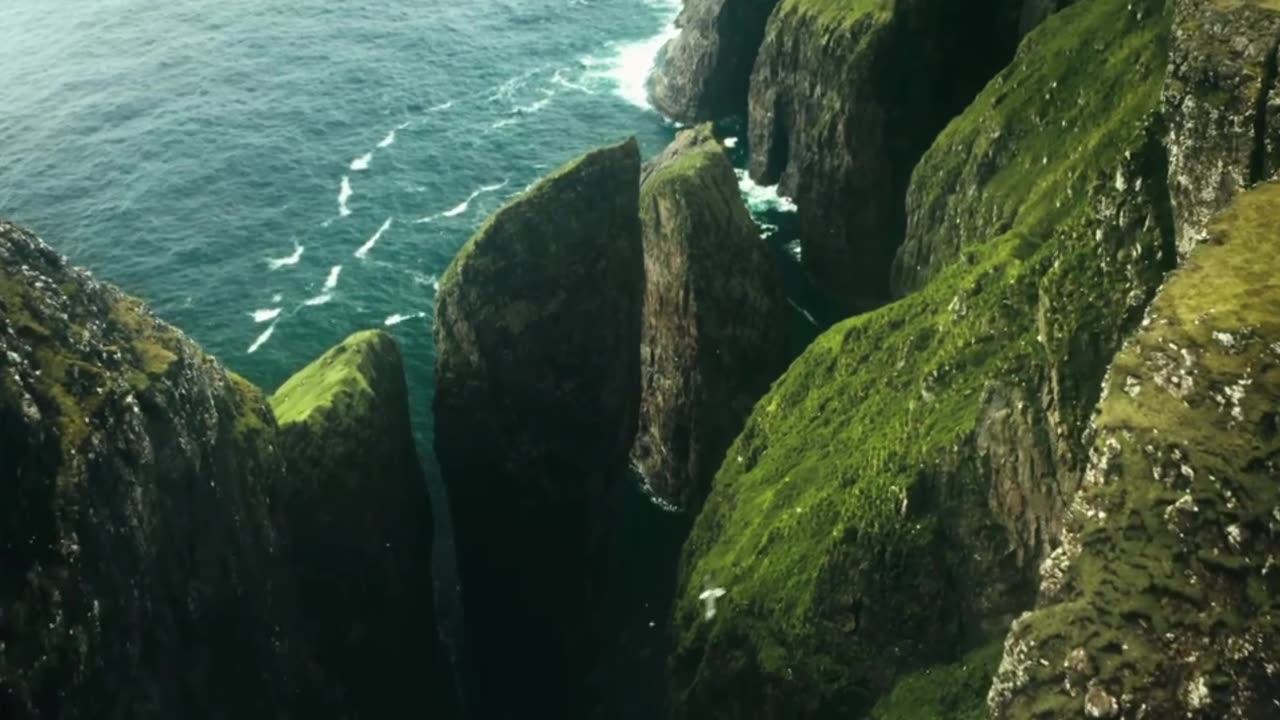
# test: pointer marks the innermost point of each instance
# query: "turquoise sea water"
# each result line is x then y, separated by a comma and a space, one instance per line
271, 177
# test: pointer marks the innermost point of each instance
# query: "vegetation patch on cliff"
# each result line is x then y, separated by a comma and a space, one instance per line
859, 526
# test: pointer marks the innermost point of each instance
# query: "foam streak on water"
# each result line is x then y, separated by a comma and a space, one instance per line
399, 318
344, 194
331, 282
277, 263
262, 339
389, 140
363, 252
361, 163
261, 316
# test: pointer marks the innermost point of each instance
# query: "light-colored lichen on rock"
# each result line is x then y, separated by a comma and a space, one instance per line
1222, 107
1169, 591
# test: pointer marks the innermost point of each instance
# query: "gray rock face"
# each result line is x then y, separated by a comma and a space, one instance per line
1221, 107
705, 70
843, 104
537, 394
141, 576
714, 318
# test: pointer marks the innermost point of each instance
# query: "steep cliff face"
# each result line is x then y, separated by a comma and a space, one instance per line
141, 575
1031, 139
845, 96
705, 70
537, 394
1163, 598
356, 528
714, 331
887, 503
1222, 107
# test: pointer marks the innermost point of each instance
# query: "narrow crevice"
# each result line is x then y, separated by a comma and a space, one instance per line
1258, 170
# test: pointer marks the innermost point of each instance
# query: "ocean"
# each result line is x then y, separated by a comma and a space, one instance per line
271, 177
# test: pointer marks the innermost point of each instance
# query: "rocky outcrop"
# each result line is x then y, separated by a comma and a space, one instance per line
357, 529
845, 96
141, 572
704, 71
714, 333
1222, 108
537, 393
1163, 598
881, 517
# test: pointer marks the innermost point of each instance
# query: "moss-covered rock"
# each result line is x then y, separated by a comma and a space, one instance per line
537, 394
705, 69
715, 318
887, 503
1222, 108
1163, 599
356, 521
845, 96
140, 575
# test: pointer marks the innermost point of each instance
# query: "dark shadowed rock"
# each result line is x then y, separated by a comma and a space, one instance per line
845, 97
537, 391
140, 575
714, 332
705, 70
356, 521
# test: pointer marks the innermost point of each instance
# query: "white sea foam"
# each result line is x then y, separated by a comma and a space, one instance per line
465, 204
504, 122
389, 140
277, 297
441, 106
331, 282
761, 197
362, 163
344, 194
365, 248
277, 263
431, 281
320, 299
632, 63
802, 311
398, 318
261, 316
793, 247
559, 79
731, 142
262, 339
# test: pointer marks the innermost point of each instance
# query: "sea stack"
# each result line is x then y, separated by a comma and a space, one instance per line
537, 391
357, 528
715, 318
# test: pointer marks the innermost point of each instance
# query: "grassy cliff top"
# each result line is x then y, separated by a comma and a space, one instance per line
345, 368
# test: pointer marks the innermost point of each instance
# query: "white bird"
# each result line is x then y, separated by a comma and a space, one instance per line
708, 598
